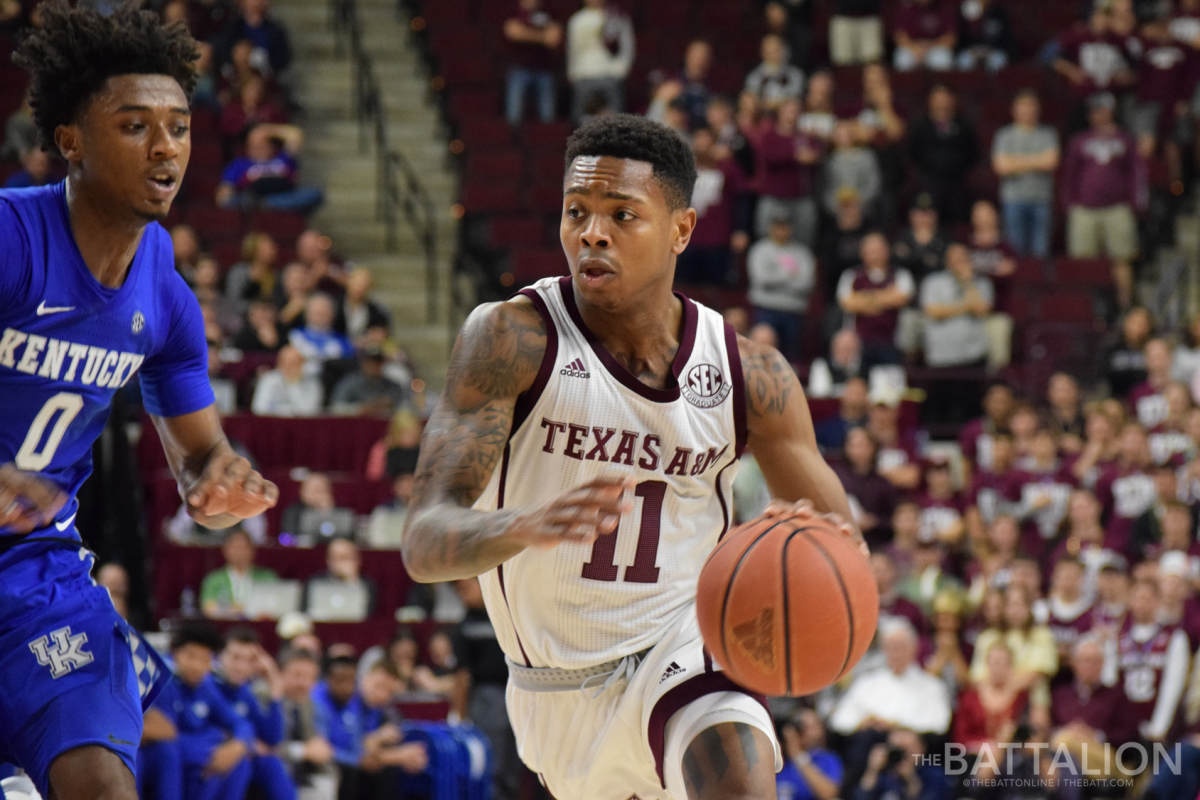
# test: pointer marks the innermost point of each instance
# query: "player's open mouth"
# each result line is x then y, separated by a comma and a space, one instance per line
593, 271
163, 183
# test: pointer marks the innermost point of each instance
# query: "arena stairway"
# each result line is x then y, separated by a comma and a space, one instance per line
325, 80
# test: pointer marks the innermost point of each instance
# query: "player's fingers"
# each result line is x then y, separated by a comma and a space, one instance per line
42, 495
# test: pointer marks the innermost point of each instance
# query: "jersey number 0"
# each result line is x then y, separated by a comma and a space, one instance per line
32, 459
602, 566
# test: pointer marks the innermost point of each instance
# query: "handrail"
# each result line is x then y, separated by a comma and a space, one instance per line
398, 186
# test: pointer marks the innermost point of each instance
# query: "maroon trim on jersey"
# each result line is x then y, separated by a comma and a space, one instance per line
739, 390
724, 506
528, 399
686, 343
500, 567
675, 699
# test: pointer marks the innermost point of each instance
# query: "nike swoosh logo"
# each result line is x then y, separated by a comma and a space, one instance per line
115, 740
66, 523
43, 311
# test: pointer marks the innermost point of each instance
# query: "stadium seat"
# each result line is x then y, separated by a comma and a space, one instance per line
518, 232
214, 223
539, 135
485, 133
462, 70
527, 266
458, 40
470, 103
1083, 272
490, 197
499, 166
1067, 307
283, 226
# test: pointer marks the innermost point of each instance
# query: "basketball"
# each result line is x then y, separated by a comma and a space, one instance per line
787, 606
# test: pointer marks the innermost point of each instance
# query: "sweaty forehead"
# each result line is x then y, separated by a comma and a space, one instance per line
602, 174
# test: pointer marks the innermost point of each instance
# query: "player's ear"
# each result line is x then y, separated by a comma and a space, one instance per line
685, 225
69, 142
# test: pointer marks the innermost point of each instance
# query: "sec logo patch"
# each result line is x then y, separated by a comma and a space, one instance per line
705, 386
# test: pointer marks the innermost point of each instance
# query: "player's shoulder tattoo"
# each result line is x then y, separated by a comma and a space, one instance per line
499, 351
769, 379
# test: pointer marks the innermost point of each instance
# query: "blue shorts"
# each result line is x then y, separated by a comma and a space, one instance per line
74, 673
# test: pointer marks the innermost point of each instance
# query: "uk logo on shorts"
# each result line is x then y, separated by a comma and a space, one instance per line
705, 386
61, 652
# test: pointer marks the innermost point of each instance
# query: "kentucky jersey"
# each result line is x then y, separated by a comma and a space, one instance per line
586, 417
68, 343
74, 673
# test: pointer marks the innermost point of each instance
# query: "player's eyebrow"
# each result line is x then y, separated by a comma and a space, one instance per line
131, 107
607, 195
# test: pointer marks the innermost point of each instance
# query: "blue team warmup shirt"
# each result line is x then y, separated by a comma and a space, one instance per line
68, 343
204, 719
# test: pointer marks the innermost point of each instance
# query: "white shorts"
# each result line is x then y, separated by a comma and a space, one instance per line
629, 740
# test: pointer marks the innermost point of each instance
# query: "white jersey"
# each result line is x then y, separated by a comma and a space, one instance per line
576, 606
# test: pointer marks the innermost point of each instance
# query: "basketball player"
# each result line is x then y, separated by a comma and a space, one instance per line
561, 407
89, 297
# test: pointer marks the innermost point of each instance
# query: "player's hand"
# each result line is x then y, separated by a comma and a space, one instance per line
225, 757
227, 486
269, 670
318, 751
27, 500
803, 509
411, 757
591, 510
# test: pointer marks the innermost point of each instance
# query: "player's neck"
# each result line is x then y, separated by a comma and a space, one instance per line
107, 240
646, 331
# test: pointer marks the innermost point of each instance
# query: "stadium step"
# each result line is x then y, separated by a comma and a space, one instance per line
333, 160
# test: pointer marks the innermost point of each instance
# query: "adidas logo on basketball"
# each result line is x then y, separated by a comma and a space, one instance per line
575, 370
673, 669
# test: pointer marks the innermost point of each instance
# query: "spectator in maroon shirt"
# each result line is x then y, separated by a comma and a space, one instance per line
251, 107
1166, 74
988, 712
1103, 187
1066, 611
856, 32
926, 32
993, 491
1064, 414
898, 458
533, 38
852, 413
975, 438
1085, 710
1046, 486
874, 293
891, 604
943, 147
722, 214
788, 161
1146, 400
906, 536
1178, 604
872, 497
941, 505
1127, 490
1092, 56
991, 255
985, 36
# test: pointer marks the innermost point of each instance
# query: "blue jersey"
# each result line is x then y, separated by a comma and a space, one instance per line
68, 343
203, 718
267, 722
344, 726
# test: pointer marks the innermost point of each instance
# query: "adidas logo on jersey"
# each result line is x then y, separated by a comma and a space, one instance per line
575, 370
673, 669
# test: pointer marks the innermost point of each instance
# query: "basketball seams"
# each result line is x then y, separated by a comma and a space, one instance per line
836, 570
787, 613
729, 590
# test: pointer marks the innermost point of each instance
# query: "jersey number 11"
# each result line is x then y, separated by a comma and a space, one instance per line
602, 566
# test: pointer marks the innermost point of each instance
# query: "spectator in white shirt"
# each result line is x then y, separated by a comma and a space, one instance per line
286, 391
774, 80
600, 47
900, 695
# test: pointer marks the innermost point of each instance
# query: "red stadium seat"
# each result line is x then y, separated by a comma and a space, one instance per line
1068, 307
200, 186
478, 197
499, 166
527, 266
541, 135
206, 152
215, 223
485, 133
1083, 271
1030, 270
473, 103
458, 40
468, 71
545, 196
283, 226
517, 232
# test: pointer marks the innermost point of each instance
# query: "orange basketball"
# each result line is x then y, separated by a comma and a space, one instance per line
787, 606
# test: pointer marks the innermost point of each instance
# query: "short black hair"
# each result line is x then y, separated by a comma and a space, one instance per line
200, 633
340, 661
640, 139
292, 654
78, 49
242, 635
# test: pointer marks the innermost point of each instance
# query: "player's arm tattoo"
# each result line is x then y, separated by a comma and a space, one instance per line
721, 763
768, 378
498, 353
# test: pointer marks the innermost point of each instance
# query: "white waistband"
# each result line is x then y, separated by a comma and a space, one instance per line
550, 679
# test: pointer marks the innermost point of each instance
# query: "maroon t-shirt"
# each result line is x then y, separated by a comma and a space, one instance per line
1148, 405
903, 607
528, 55
975, 439
924, 22
1100, 56
1097, 707
1065, 627
872, 491
1103, 169
1041, 526
901, 452
939, 513
991, 492
1141, 667
1163, 70
1169, 444
875, 328
715, 198
1126, 493
781, 174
